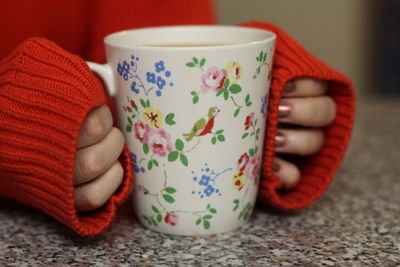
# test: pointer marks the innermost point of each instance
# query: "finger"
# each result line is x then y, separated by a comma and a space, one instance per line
287, 172
308, 111
303, 87
94, 194
300, 141
92, 161
95, 126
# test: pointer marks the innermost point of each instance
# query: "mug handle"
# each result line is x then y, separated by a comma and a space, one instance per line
105, 73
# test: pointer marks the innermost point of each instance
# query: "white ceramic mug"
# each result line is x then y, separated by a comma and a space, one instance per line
192, 103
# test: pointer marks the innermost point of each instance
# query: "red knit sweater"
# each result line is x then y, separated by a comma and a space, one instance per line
45, 93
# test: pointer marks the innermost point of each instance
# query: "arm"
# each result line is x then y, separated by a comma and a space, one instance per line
293, 61
45, 95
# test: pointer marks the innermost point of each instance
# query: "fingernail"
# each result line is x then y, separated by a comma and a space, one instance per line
280, 139
284, 109
289, 87
275, 166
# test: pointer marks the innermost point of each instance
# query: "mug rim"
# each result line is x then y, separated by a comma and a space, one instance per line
269, 37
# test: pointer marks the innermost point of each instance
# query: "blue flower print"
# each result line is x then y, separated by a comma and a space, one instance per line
160, 82
264, 102
160, 66
135, 163
123, 70
134, 87
205, 183
151, 77
204, 180
156, 80
209, 190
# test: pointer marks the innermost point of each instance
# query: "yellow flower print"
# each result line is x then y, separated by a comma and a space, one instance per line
239, 181
234, 70
153, 117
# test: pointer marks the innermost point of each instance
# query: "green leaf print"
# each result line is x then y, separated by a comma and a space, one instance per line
206, 224
226, 83
226, 94
213, 211
129, 128
236, 113
169, 198
184, 159
173, 155
170, 190
179, 145
221, 138
143, 103
169, 119
202, 62
145, 148
235, 88
154, 208
190, 64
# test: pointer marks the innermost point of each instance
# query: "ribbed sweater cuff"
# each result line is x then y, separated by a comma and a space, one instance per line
292, 61
45, 94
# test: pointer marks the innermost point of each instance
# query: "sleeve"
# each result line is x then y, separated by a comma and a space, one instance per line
292, 61
45, 94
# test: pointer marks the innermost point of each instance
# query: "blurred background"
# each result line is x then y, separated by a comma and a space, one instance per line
357, 37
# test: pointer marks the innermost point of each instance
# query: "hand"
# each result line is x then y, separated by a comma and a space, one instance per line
97, 171
303, 104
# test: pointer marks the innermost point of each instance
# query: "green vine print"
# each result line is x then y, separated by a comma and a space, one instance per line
161, 213
262, 60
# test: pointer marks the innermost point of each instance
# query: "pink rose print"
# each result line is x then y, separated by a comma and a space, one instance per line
141, 131
252, 167
171, 219
242, 161
213, 79
159, 142
248, 121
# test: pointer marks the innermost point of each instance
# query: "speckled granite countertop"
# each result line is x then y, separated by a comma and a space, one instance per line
355, 223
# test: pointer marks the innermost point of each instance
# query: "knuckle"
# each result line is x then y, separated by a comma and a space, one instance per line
95, 199
119, 173
91, 163
311, 111
99, 122
119, 139
313, 142
119, 136
95, 126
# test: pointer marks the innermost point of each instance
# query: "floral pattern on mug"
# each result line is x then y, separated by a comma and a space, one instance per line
159, 142
163, 214
155, 140
155, 80
262, 60
213, 79
234, 70
150, 127
205, 183
222, 81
